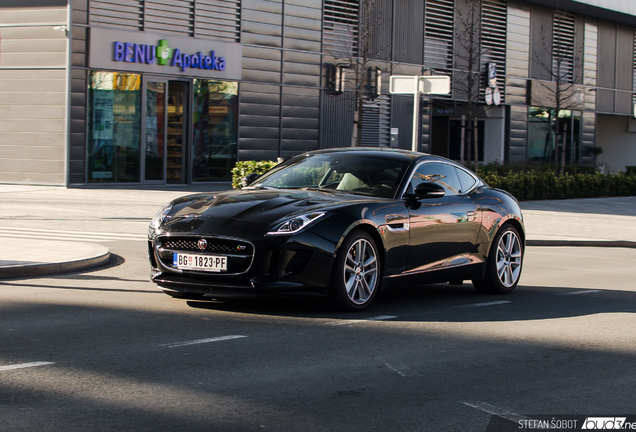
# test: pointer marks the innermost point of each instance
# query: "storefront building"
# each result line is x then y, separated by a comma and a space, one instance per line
161, 110
147, 92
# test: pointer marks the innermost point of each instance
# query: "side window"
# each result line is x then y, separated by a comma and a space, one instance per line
442, 174
467, 181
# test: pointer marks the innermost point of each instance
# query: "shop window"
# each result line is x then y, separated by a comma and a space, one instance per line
215, 124
114, 119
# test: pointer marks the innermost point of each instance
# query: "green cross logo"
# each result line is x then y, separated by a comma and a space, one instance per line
164, 52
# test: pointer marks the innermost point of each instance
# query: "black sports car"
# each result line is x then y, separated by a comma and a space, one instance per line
341, 223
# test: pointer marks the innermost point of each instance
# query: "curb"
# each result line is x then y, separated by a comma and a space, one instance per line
583, 243
100, 257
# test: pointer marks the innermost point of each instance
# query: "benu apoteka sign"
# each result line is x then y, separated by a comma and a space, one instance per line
147, 52
164, 55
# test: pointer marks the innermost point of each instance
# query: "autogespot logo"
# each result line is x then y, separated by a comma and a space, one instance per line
164, 55
607, 423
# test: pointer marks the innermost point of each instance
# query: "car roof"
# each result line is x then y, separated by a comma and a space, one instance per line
382, 152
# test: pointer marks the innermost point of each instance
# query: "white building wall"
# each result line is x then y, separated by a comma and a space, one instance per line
33, 95
616, 135
494, 135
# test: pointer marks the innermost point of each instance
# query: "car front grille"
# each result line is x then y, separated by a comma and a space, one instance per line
239, 253
215, 245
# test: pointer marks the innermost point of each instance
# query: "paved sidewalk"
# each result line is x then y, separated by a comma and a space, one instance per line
30, 258
600, 222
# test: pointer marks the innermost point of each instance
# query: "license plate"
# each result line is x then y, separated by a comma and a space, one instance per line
209, 263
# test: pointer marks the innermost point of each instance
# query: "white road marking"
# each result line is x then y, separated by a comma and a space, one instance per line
378, 318
24, 365
391, 367
579, 292
202, 341
485, 304
500, 412
57, 238
40, 234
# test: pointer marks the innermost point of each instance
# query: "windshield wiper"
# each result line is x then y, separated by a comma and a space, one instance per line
259, 188
319, 189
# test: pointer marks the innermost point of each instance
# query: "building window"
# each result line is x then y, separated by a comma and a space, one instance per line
114, 119
215, 124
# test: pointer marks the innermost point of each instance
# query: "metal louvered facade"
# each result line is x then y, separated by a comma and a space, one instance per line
493, 37
174, 16
563, 47
218, 19
634, 72
282, 98
439, 25
376, 119
340, 27
128, 14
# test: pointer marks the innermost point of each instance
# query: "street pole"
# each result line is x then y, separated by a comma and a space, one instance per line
416, 121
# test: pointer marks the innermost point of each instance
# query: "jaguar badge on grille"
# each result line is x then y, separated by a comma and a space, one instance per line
202, 244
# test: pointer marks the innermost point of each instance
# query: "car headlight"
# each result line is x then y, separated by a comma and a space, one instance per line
161, 216
296, 224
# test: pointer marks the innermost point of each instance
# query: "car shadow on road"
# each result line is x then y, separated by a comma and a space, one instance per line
444, 303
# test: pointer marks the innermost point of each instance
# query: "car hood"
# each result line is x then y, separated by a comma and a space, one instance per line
246, 212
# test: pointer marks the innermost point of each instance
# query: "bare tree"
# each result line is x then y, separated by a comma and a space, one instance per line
468, 59
559, 91
358, 55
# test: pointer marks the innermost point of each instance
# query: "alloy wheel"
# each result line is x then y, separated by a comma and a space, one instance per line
360, 271
509, 259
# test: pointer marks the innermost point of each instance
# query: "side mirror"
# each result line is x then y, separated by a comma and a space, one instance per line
248, 179
428, 190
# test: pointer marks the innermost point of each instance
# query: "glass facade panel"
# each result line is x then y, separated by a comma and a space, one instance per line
155, 101
114, 120
540, 135
543, 125
215, 124
177, 130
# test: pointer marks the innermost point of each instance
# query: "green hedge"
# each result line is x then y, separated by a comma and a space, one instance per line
545, 185
243, 168
525, 185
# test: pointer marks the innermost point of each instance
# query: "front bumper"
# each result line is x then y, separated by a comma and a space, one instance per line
280, 265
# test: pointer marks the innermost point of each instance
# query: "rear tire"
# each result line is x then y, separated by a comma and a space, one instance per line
356, 277
503, 268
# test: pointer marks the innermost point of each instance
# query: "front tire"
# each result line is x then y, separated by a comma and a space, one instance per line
356, 277
503, 268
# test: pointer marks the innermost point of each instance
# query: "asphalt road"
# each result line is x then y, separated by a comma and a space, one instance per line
106, 351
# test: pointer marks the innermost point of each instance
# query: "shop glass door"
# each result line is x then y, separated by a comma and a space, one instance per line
178, 105
154, 131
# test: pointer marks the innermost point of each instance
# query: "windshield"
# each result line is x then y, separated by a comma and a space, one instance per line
362, 174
